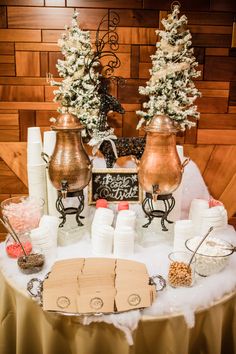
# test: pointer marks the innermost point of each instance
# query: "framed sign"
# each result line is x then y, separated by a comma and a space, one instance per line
115, 185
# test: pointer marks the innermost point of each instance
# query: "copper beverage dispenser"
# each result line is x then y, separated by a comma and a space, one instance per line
69, 167
69, 161
160, 169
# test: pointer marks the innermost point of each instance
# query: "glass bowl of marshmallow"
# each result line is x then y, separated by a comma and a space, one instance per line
212, 256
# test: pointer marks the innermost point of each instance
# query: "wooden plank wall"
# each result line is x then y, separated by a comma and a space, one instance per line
29, 30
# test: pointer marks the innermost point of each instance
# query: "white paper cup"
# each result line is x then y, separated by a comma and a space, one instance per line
123, 249
102, 246
197, 206
36, 171
34, 135
52, 223
102, 230
103, 216
183, 230
49, 142
34, 150
40, 231
124, 233
183, 227
126, 218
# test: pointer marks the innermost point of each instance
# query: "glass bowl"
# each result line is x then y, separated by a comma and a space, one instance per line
23, 213
180, 273
212, 256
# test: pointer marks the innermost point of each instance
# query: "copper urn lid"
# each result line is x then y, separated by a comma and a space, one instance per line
161, 124
67, 121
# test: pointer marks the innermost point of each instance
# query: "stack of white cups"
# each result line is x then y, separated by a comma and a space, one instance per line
126, 218
197, 208
49, 141
124, 235
44, 238
52, 222
183, 230
36, 167
102, 232
216, 217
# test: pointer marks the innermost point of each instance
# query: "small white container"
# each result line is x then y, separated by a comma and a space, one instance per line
183, 230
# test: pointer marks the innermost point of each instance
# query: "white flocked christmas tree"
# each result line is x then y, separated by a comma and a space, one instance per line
171, 89
77, 93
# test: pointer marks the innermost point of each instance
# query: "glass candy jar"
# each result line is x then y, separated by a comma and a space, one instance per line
23, 212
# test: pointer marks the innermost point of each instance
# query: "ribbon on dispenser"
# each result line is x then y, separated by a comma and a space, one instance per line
97, 142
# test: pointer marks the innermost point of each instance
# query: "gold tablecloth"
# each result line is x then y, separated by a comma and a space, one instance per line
26, 329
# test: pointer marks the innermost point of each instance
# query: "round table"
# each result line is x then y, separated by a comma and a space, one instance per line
27, 329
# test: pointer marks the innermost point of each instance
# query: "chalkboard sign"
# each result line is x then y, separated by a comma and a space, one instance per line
115, 185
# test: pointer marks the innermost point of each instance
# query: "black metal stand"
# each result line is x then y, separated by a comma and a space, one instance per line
70, 210
147, 205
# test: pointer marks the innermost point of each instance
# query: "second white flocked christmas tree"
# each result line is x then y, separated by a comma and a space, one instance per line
171, 89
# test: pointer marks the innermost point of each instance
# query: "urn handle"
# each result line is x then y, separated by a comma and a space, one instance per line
45, 157
186, 161
136, 161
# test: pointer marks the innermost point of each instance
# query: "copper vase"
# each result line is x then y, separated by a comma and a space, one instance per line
160, 169
69, 161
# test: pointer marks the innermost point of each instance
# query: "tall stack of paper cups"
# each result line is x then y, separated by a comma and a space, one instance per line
36, 166
49, 141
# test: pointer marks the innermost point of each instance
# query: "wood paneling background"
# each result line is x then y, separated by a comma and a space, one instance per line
29, 30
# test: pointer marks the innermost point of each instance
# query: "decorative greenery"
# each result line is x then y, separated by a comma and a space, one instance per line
170, 89
78, 91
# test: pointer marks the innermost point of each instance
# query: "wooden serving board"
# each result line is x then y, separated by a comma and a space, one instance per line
97, 285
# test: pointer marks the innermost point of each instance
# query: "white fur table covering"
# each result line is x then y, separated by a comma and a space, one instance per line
152, 248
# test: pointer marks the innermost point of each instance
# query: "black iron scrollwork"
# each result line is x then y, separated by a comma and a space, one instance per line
106, 46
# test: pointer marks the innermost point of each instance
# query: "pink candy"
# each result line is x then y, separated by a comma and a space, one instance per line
15, 251
24, 215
